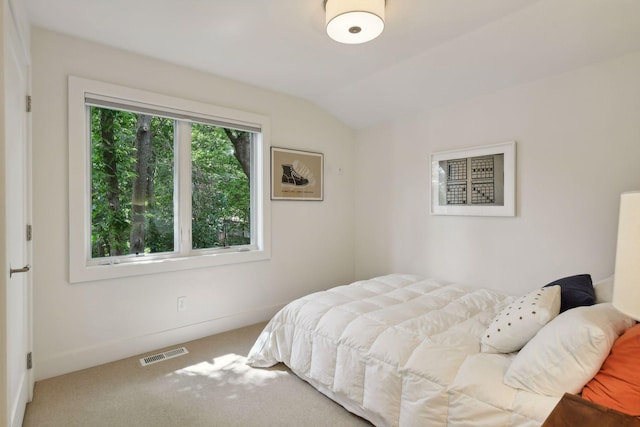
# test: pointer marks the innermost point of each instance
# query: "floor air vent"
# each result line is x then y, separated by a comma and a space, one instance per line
170, 354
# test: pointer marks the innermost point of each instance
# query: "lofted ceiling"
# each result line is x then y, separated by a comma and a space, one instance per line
431, 53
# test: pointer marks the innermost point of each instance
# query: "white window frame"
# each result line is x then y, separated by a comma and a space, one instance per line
82, 267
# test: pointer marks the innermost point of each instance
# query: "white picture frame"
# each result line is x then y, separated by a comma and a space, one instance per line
476, 181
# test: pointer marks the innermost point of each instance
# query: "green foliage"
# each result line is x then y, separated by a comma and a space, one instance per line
220, 198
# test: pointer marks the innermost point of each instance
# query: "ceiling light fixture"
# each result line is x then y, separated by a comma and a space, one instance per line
354, 21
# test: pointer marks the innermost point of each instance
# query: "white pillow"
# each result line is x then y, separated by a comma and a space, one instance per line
568, 351
604, 290
514, 326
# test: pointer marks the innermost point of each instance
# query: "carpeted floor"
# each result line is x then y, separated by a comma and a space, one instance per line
210, 386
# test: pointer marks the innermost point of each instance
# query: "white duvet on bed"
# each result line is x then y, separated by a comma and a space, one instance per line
401, 350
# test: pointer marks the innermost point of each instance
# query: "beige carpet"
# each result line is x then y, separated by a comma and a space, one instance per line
210, 386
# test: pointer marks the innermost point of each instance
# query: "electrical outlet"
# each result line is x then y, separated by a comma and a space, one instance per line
182, 303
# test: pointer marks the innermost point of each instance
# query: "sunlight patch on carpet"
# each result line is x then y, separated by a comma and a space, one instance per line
230, 369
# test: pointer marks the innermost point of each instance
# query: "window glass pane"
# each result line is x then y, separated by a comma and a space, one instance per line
132, 183
221, 194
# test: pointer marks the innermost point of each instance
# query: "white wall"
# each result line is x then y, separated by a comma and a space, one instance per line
578, 140
81, 325
578, 148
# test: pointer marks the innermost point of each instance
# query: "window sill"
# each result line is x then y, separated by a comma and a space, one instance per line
154, 266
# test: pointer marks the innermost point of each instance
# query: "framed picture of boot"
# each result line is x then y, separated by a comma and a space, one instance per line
296, 175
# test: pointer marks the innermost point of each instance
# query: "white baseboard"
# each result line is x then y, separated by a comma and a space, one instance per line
82, 358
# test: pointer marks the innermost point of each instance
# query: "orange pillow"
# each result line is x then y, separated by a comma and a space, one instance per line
617, 385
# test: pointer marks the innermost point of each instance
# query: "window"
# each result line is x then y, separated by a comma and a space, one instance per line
159, 183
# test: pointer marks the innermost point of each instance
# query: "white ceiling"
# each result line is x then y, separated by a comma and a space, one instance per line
432, 52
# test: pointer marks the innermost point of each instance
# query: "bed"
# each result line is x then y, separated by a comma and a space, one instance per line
409, 351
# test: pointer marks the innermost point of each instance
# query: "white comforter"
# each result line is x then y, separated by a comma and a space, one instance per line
400, 350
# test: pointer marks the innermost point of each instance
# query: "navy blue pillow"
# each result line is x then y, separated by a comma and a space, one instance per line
575, 291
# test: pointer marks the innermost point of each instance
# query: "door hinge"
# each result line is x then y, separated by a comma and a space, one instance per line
28, 103
29, 233
29, 361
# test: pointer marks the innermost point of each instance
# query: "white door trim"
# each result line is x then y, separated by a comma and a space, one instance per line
15, 44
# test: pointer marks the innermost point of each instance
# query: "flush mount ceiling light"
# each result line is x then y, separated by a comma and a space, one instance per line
354, 21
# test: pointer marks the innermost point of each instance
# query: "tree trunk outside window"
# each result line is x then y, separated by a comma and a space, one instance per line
140, 185
116, 224
242, 148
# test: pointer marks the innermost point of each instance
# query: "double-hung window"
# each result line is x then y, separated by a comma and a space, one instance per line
159, 183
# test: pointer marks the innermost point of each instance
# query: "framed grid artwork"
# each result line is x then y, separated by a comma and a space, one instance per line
474, 181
